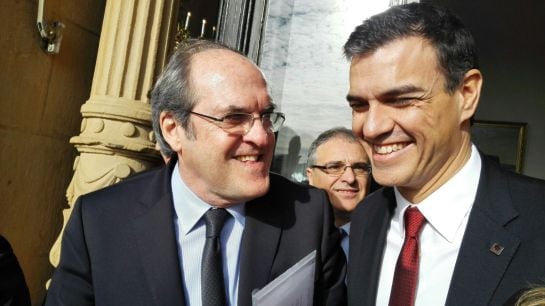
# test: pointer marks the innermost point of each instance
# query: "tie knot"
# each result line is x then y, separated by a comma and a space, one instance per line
214, 219
414, 221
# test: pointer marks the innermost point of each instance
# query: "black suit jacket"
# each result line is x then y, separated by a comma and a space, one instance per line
509, 211
119, 246
13, 288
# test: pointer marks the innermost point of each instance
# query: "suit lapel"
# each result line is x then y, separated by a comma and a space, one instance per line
368, 232
488, 246
259, 245
154, 229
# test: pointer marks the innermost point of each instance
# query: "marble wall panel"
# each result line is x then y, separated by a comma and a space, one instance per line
302, 57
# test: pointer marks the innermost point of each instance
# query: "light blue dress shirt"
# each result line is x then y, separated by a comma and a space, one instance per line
190, 235
345, 231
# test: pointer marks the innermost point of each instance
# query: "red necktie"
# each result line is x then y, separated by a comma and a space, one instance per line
406, 274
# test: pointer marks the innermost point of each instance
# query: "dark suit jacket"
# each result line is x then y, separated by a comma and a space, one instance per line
13, 288
119, 246
509, 210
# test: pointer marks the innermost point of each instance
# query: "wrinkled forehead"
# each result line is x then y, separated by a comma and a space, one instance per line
223, 62
412, 51
409, 61
224, 75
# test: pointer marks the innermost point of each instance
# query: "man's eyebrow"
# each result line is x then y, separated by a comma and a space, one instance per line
271, 107
333, 162
401, 90
392, 92
352, 98
238, 109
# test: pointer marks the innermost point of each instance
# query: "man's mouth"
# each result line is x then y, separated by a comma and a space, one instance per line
248, 158
347, 190
387, 149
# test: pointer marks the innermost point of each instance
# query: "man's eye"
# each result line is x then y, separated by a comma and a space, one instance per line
235, 118
334, 167
266, 117
359, 166
358, 106
401, 101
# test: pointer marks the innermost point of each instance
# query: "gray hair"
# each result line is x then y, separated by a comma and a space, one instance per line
173, 91
333, 133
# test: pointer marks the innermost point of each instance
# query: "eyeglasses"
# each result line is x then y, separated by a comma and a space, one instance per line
337, 169
241, 123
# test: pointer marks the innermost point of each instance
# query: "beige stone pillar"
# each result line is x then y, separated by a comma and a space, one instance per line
116, 138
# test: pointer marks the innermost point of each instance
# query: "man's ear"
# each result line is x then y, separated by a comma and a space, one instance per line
172, 131
470, 92
309, 175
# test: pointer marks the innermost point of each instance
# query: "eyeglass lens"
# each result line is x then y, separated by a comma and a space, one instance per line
242, 123
358, 168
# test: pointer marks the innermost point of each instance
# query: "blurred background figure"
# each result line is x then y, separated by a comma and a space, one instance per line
338, 164
13, 288
287, 155
532, 296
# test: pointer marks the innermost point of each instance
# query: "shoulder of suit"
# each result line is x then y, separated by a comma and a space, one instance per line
283, 188
278, 181
378, 201
128, 190
516, 181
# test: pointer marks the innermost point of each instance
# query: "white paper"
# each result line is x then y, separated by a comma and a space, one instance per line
295, 287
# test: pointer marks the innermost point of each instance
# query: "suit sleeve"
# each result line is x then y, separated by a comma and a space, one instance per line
13, 288
72, 281
332, 283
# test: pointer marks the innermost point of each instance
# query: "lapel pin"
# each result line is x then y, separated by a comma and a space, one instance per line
496, 248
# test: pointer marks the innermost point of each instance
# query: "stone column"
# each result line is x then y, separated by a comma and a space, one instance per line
116, 138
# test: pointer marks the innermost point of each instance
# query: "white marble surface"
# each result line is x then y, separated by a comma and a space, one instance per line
302, 57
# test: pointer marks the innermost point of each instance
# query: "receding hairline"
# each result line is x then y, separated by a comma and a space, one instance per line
228, 53
220, 56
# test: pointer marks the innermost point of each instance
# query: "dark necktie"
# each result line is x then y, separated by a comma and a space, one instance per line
212, 284
406, 274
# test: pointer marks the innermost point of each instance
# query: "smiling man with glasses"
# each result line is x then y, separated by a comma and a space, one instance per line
213, 224
338, 164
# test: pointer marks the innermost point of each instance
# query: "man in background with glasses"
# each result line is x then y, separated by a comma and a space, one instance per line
213, 224
338, 164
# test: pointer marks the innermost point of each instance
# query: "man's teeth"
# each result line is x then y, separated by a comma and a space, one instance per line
245, 158
389, 148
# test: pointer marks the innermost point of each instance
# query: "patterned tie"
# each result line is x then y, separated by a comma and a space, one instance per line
212, 286
406, 274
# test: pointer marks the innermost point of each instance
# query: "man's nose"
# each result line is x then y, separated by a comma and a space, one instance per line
376, 122
348, 175
258, 134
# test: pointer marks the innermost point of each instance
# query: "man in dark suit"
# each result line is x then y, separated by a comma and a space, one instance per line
338, 164
141, 242
13, 288
452, 228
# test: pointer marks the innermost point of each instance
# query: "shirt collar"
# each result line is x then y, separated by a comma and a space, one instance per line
346, 228
446, 208
189, 208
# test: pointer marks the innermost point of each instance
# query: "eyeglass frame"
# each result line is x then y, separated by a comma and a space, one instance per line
220, 121
324, 168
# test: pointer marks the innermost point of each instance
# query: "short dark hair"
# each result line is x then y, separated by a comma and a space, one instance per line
454, 44
333, 133
173, 91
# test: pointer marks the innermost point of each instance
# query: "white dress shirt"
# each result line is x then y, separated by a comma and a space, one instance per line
446, 211
190, 234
